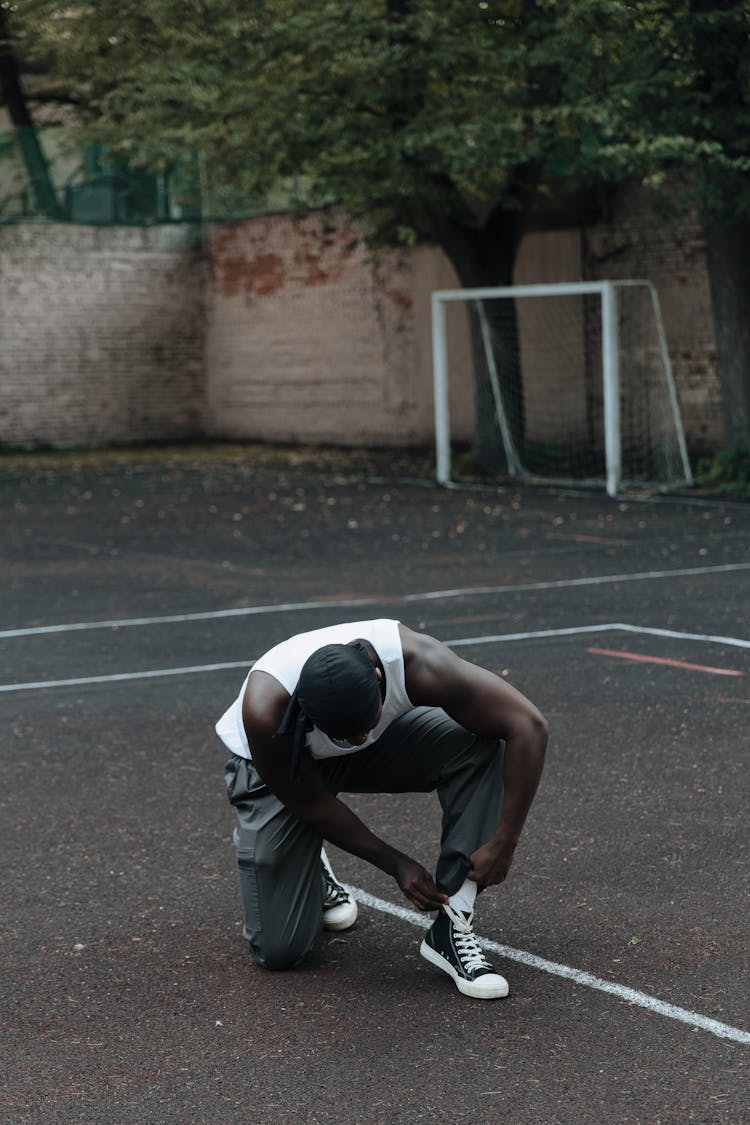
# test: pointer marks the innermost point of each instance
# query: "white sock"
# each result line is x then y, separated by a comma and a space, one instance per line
464, 897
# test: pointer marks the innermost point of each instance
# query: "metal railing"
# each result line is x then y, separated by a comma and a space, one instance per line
49, 174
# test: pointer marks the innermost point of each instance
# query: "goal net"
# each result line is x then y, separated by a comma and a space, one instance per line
577, 376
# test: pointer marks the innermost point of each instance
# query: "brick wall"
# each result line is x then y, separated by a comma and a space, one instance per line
310, 339
102, 335
635, 242
282, 331
638, 242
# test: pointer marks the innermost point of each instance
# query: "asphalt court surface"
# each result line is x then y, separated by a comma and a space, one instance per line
136, 592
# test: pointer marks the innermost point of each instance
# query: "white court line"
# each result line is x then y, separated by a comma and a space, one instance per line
115, 677
565, 583
351, 603
708, 638
177, 618
578, 976
456, 643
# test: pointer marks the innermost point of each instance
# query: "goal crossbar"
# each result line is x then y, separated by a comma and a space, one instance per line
610, 370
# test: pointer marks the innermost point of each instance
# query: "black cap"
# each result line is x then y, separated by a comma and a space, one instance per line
339, 690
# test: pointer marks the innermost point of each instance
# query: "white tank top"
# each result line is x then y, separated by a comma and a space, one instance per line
284, 662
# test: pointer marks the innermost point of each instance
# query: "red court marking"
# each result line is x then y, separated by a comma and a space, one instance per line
664, 660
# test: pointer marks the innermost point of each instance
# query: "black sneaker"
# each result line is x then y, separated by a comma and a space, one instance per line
451, 945
339, 908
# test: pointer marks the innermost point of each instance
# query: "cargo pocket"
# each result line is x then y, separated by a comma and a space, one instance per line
250, 895
234, 779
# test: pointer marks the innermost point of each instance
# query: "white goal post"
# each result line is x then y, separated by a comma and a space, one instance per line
605, 381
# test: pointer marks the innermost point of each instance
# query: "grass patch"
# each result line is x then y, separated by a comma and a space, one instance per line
726, 473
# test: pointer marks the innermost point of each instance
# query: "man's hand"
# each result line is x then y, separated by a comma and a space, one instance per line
490, 863
418, 885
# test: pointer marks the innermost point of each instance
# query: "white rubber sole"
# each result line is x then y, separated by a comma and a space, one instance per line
490, 986
340, 917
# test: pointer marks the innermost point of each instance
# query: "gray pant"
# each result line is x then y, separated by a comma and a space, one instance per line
279, 856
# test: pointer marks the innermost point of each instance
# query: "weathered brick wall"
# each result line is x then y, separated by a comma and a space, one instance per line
282, 331
637, 242
102, 335
310, 339
552, 340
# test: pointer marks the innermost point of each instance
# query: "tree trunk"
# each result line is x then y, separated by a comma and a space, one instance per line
729, 271
15, 101
483, 258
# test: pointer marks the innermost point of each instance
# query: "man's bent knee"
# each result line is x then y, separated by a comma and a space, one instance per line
279, 958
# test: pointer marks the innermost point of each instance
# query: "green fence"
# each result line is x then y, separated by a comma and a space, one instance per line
49, 174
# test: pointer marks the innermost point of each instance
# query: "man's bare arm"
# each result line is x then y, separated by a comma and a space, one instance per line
307, 798
489, 706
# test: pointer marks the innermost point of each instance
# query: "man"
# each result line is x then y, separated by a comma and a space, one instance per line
373, 707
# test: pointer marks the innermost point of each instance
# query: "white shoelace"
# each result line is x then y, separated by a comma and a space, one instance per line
335, 894
465, 940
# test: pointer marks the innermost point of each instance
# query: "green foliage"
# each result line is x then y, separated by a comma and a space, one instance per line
414, 113
727, 472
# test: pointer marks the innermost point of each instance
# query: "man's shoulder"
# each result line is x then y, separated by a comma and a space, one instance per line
420, 649
432, 672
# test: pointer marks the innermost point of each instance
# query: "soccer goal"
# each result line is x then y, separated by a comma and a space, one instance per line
578, 376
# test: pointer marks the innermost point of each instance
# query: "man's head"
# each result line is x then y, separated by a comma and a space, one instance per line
339, 690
